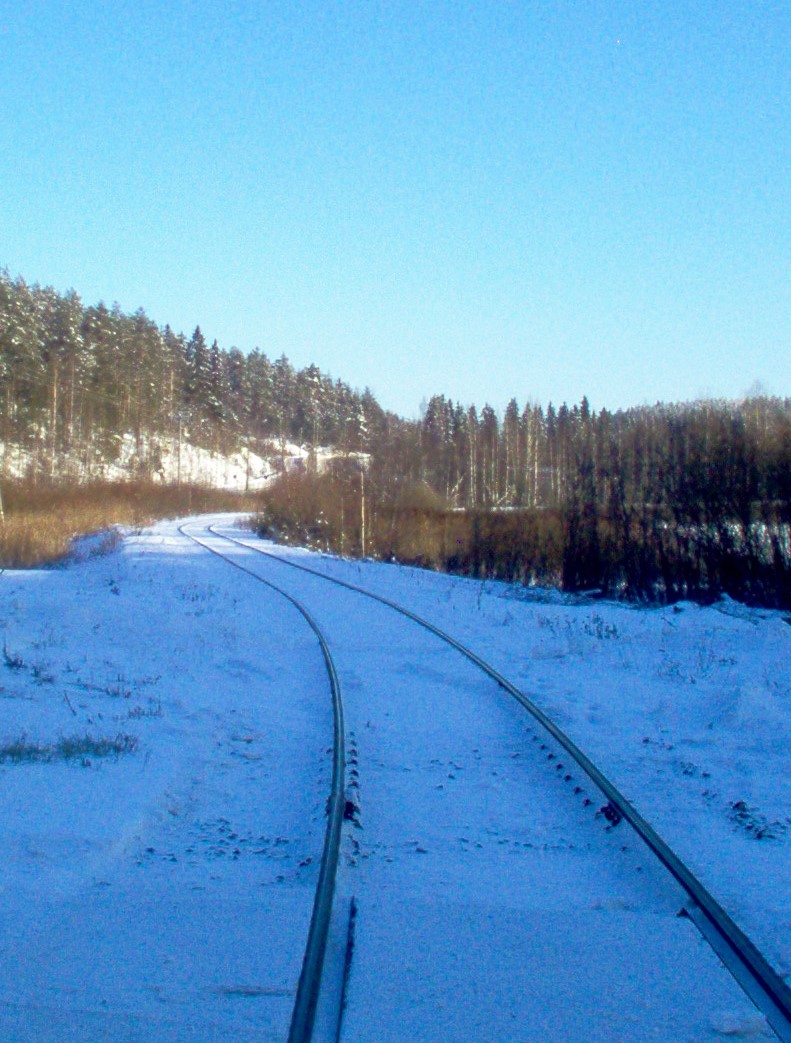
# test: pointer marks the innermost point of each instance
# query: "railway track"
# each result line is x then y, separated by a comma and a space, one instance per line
305, 1004
751, 970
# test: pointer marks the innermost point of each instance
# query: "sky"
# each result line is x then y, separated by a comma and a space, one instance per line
482, 200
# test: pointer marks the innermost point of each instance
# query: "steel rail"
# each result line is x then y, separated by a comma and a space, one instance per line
750, 968
304, 1011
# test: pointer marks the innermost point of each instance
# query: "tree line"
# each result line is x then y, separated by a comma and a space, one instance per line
654, 503
657, 502
76, 378
688, 499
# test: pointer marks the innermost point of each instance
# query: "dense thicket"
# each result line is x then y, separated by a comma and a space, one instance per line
663, 501
641, 491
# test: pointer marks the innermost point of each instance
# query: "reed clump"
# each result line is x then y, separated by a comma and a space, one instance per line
650, 553
40, 522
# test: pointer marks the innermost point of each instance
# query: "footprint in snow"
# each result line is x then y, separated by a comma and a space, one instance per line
740, 1026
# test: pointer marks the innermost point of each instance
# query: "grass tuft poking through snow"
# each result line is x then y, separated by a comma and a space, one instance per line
68, 748
11, 659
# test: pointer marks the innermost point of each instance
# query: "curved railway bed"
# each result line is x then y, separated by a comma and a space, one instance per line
306, 1000
494, 899
166, 758
158, 887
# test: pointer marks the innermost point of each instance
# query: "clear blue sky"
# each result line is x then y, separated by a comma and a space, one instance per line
485, 200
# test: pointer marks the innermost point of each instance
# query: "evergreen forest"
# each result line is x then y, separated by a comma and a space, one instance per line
662, 502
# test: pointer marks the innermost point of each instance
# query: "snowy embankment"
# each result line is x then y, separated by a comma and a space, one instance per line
172, 461
686, 708
142, 890
163, 765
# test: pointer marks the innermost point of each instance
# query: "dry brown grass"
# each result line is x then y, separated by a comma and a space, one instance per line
41, 522
38, 537
417, 529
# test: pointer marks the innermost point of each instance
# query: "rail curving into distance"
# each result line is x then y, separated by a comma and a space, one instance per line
768, 991
304, 1011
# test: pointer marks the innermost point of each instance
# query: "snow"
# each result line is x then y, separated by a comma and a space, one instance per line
136, 892
165, 893
171, 461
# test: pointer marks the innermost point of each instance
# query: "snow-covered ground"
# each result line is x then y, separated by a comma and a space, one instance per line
163, 891
172, 460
